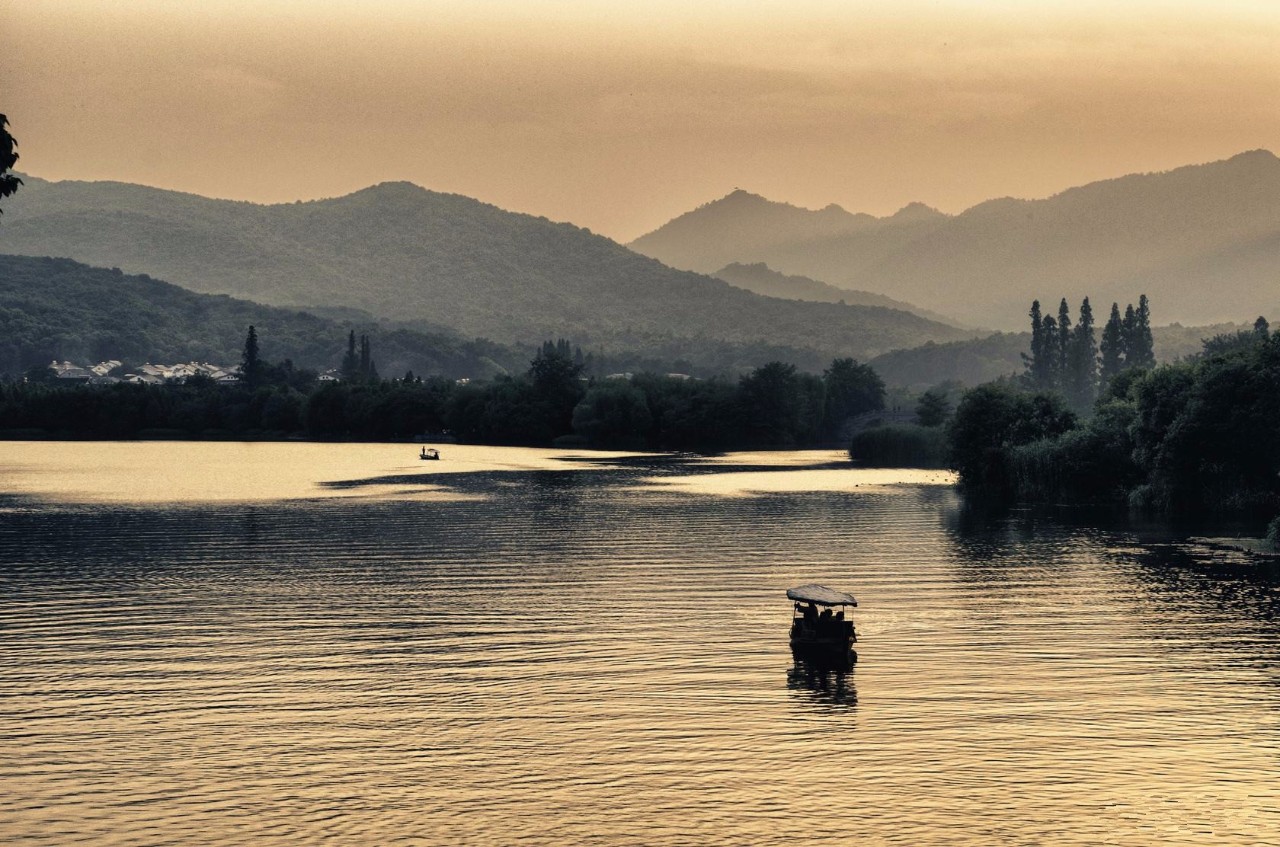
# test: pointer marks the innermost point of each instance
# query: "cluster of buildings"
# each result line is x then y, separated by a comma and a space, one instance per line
629, 375
148, 374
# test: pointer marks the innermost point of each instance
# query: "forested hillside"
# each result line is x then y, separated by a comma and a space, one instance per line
60, 309
402, 252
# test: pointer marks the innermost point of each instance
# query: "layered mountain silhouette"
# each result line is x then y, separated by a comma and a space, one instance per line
1202, 241
62, 309
762, 279
401, 252
742, 227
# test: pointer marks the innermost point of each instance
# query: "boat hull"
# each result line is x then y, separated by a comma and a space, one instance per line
831, 655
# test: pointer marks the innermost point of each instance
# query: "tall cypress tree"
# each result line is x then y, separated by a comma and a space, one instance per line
1036, 363
1141, 352
1064, 344
351, 362
1128, 334
1049, 348
250, 363
1082, 373
1112, 347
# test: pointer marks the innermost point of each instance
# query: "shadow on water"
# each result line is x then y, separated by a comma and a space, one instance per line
996, 543
1232, 583
596, 472
825, 682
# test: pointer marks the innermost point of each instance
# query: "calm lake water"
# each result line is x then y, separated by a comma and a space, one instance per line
299, 644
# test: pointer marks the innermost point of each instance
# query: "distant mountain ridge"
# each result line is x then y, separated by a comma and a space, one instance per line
1202, 241
405, 253
739, 225
762, 279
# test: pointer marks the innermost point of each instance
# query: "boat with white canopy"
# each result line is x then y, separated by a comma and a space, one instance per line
819, 622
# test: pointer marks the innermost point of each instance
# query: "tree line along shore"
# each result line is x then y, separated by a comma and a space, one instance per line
1087, 421
774, 405
1086, 425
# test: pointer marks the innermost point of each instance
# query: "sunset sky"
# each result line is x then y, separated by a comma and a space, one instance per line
620, 119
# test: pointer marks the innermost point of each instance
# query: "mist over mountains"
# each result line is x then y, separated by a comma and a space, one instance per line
741, 226
404, 253
1202, 241
762, 279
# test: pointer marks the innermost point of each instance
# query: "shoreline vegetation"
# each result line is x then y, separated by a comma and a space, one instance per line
1087, 423
1197, 436
774, 405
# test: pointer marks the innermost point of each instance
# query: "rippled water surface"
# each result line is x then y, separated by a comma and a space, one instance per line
299, 644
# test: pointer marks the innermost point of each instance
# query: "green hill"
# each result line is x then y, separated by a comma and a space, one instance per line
60, 309
404, 253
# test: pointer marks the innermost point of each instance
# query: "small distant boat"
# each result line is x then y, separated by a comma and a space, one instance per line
816, 630
429, 453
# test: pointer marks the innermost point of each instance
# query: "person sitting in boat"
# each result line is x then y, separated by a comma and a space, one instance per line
811, 615
824, 623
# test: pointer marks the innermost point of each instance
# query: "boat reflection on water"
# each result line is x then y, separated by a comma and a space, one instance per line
826, 681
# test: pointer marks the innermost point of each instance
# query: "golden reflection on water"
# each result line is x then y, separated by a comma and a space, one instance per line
196, 472
756, 483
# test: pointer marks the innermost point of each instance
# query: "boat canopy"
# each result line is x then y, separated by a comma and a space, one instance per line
820, 595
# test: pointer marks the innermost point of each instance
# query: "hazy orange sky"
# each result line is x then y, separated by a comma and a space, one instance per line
619, 119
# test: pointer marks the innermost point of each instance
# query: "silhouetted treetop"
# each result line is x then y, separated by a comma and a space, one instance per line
8, 158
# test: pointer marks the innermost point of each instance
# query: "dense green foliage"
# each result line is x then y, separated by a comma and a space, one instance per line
614, 413
400, 252
992, 419
933, 408
198, 408
774, 405
900, 446
1200, 434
